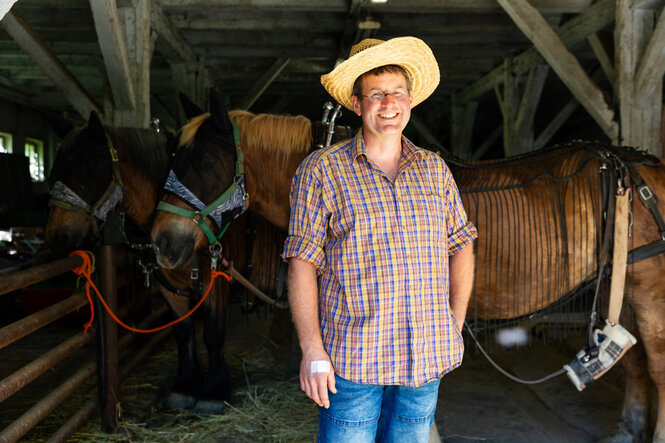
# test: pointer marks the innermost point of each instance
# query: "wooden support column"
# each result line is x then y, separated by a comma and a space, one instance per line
127, 44
640, 65
524, 121
507, 97
463, 119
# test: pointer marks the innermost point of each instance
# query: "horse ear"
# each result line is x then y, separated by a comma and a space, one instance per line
218, 112
190, 108
95, 126
60, 125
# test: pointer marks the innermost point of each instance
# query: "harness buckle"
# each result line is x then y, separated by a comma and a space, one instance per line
195, 274
196, 218
645, 192
215, 250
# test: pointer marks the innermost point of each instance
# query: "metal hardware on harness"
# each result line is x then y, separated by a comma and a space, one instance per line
215, 251
331, 124
327, 107
610, 344
147, 269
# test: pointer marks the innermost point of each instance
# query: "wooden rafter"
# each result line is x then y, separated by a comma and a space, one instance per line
43, 57
563, 62
112, 44
263, 82
596, 17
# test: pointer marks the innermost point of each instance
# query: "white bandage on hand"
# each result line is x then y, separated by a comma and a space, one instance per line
320, 366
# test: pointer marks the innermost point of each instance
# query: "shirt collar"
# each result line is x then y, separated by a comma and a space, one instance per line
410, 152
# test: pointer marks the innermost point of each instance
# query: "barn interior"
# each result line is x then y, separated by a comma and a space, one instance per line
516, 76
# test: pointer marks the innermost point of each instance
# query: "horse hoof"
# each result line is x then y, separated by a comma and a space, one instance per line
209, 407
176, 400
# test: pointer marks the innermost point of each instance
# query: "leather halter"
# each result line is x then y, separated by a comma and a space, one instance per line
199, 217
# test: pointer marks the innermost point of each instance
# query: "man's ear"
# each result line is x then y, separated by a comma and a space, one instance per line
356, 105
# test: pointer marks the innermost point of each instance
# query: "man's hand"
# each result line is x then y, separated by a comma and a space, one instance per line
317, 384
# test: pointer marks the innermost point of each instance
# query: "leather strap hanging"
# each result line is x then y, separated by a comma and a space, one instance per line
620, 254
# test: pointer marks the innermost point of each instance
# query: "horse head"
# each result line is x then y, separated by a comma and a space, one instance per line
196, 207
76, 199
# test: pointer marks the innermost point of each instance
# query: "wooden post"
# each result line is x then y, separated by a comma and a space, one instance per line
109, 358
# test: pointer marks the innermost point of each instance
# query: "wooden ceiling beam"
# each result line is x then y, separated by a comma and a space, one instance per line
52, 67
112, 44
563, 62
263, 82
652, 65
596, 17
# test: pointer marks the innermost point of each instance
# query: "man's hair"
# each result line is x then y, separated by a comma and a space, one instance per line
391, 69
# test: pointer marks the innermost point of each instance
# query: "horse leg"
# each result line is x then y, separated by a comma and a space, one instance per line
653, 337
217, 386
635, 413
189, 376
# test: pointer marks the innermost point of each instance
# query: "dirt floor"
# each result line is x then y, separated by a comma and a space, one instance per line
476, 402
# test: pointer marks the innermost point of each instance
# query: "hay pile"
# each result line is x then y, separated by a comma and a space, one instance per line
267, 405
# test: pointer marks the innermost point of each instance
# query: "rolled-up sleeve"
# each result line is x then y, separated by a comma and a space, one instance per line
460, 230
309, 219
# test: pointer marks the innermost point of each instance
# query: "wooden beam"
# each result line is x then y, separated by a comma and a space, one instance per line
624, 46
604, 56
140, 43
652, 67
596, 17
555, 124
5, 6
487, 143
463, 119
40, 53
169, 33
423, 130
263, 82
112, 44
563, 62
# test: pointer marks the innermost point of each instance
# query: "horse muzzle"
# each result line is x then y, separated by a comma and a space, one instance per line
172, 251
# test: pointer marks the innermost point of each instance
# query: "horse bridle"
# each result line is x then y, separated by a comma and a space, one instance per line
233, 198
64, 197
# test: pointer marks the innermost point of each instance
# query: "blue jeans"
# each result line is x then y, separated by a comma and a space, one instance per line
368, 413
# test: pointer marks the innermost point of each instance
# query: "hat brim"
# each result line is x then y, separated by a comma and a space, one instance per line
410, 53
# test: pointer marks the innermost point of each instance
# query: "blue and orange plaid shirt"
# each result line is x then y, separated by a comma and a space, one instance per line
381, 251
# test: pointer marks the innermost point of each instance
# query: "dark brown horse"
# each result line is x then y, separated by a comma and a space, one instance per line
86, 186
539, 219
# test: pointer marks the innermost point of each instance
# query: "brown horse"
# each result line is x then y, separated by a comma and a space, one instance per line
539, 218
273, 147
86, 186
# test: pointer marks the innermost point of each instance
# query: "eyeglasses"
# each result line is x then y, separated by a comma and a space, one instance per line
377, 97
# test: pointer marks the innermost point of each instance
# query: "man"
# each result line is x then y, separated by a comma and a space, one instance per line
380, 256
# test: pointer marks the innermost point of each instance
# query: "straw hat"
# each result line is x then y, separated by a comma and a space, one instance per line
408, 52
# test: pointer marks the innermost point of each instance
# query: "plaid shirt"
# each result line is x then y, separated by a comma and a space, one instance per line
381, 250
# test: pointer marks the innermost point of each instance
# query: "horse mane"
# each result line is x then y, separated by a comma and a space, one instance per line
146, 148
281, 134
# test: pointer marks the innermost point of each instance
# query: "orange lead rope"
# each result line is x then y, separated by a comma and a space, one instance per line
86, 270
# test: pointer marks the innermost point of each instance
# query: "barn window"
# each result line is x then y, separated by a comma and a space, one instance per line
5, 143
34, 150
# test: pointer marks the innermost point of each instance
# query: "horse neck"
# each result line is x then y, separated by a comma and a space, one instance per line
268, 176
140, 190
